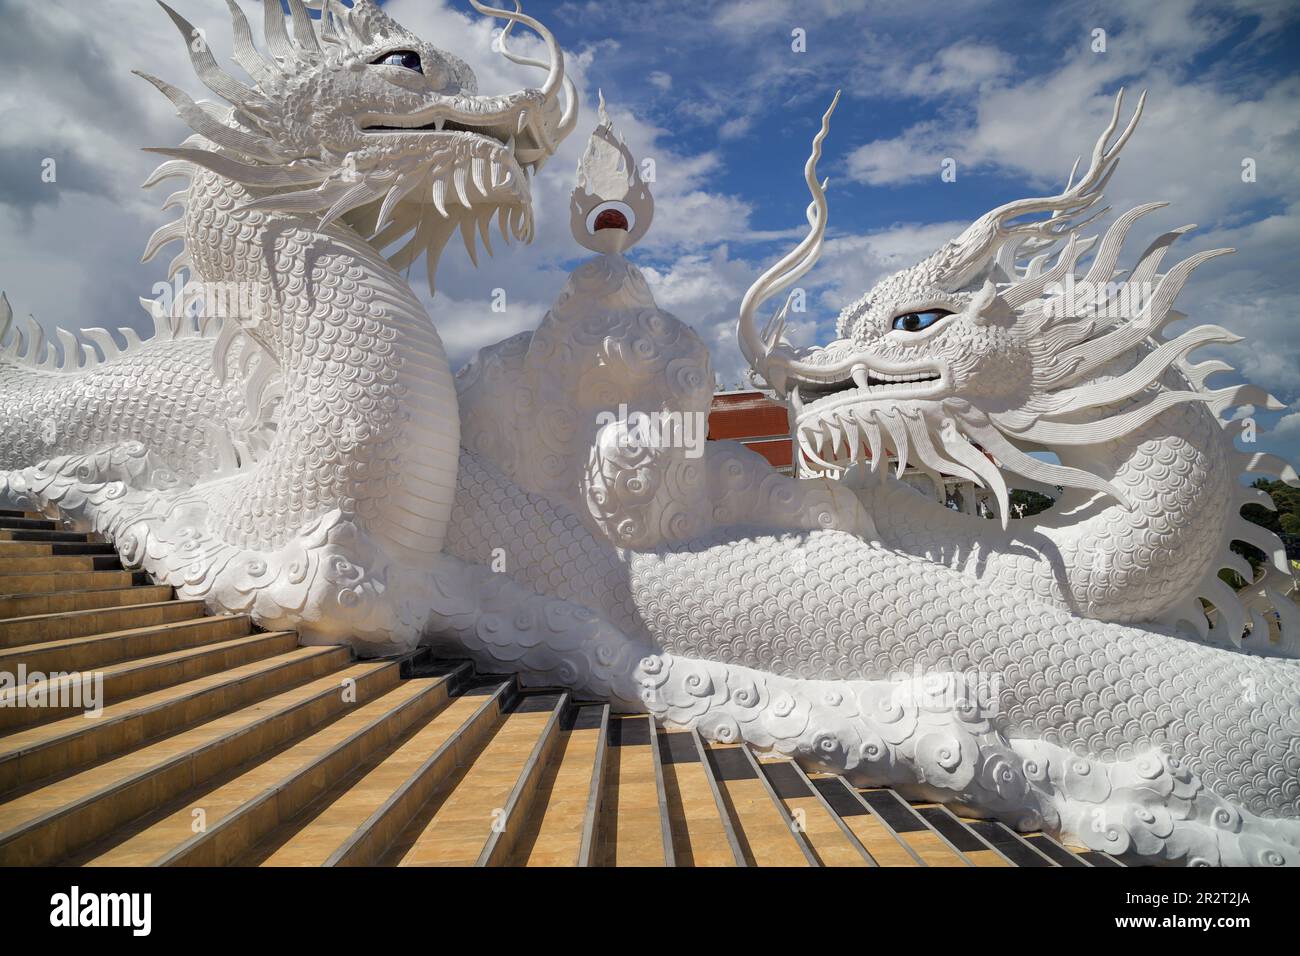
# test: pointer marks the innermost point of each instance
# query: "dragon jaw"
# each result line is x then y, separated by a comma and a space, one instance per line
356, 118
969, 361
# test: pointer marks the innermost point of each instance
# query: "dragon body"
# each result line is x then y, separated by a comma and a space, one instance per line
312, 461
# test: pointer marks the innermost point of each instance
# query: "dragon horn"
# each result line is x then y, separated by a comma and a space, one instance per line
555, 69
791, 266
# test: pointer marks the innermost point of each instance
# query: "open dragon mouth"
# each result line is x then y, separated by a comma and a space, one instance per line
519, 130
865, 385
479, 167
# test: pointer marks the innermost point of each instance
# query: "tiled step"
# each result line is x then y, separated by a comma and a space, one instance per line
354, 823
454, 828
633, 829
1009, 843
35, 753
45, 537
95, 650
886, 846
44, 582
930, 846
26, 605
563, 812
19, 549
703, 833
27, 549
75, 548
114, 683
967, 840
11, 523
1055, 851
48, 563
238, 809
827, 837
50, 823
762, 824
526, 797
67, 624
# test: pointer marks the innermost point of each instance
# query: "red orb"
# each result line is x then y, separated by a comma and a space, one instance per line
610, 219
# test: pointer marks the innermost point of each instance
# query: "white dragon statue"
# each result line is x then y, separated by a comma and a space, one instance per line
310, 459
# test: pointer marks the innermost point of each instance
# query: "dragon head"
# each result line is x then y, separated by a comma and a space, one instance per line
351, 115
993, 347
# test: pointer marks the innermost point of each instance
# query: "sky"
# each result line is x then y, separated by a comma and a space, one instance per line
725, 99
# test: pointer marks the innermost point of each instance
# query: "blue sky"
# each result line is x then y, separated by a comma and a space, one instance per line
715, 94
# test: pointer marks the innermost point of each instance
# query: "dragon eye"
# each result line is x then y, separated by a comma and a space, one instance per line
916, 321
407, 59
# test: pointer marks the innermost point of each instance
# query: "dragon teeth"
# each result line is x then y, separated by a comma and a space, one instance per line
440, 196
496, 175
462, 193
850, 426
523, 121
477, 167
864, 421
503, 218
860, 377
467, 236
836, 443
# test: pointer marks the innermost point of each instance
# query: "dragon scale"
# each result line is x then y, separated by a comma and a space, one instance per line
1175, 532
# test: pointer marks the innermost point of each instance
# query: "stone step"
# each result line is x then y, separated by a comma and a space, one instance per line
455, 826
238, 809
28, 549
910, 828
703, 831
962, 836
47, 537
142, 675
66, 624
527, 796
563, 813
57, 820
45, 582
825, 834
78, 547
19, 549
26, 605
885, 846
47, 563
633, 828
763, 825
24, 523
34, 753
95, 650
354, 823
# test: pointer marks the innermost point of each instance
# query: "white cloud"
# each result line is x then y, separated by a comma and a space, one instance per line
1287, 425
735, 128
75, 99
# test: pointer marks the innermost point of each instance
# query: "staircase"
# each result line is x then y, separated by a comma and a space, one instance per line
218, 744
